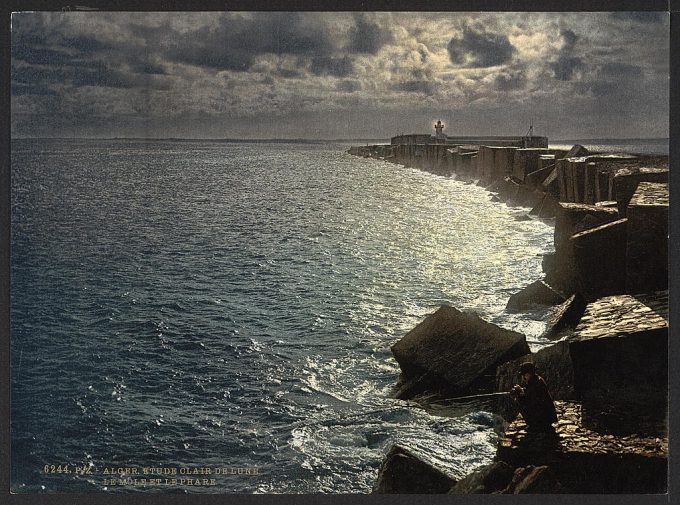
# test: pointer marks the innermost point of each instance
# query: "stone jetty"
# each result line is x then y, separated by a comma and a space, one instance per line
606, 283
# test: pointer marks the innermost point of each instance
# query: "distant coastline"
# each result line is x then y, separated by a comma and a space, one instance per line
318, 141
225, 140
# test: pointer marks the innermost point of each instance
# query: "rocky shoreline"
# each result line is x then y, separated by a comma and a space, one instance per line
607, 285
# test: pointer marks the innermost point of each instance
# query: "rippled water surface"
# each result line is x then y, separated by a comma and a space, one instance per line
232, 305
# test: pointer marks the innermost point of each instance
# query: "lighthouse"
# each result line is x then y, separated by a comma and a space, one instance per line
439, 127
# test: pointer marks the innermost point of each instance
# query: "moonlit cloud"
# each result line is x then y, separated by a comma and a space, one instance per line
338, 75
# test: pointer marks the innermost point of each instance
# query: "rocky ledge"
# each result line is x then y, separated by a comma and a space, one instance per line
581, 456
586, 456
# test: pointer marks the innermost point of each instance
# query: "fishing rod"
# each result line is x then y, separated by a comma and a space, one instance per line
408, 403
472, 397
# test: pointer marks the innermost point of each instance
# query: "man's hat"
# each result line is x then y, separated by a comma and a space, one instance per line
527, 367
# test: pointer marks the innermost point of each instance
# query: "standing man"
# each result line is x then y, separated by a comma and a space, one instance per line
533, 399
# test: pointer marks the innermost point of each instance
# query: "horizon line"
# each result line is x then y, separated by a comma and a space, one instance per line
296, 139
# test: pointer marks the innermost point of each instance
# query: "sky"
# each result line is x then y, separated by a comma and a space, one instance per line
339, 75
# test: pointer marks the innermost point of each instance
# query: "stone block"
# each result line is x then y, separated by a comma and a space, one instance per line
569, 215
626, 181
402, 472
600, 259
524, 196
565, 316
495, 162
546, 160
455, 352
590, 189
526, 161
577, 151
507, 189
566, 188
620, 352
647, 239
603, 190
535, 179
536, 293
536, 210
577, 169
548, 207
551, 184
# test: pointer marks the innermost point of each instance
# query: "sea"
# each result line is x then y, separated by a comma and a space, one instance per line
223, 312
648, 146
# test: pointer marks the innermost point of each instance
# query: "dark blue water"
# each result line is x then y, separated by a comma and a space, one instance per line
204, 304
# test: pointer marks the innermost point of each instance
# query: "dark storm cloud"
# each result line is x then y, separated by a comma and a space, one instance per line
328, 65
480, 49
19, 89
425, 87
147, 67
32, 45
90, 73
615, 81
511, 81
104, 77
565, 67
569, 38
288, 73
39, 56
85, 44
567, 64
348, 86
26, 74
100, 73
640, 17
367, 37
235, 43
617, 70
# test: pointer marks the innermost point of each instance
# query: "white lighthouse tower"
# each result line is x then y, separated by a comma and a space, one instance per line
439, 127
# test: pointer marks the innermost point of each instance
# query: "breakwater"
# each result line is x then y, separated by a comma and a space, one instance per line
606, 281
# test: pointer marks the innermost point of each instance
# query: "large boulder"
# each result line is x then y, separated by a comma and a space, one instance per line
488, 479
536, 293
402, 472
455, 353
